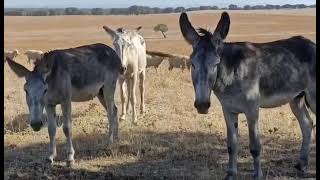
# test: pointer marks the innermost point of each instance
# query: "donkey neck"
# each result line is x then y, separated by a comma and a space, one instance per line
231, 57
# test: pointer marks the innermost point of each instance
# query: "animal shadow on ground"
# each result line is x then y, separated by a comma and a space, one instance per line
21, 121
18, 124
171, 155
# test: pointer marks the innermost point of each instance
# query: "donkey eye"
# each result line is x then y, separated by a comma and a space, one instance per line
192, 65
26, 92
45, 91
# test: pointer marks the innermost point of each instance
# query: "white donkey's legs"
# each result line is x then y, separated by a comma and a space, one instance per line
141, 86
123, 97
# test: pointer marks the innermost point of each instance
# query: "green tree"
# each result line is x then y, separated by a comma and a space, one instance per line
162, 28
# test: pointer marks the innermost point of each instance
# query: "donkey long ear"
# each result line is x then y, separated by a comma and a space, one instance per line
111, 32
46, 72
120, 30
17, 68
187, 30
138, 28
36, 62
222, 28
45, 68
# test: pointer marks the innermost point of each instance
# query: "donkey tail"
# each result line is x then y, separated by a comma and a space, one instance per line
303, 95
306, 102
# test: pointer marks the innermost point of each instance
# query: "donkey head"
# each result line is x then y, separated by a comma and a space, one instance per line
35, 87
205, 57
15, 53
122, 42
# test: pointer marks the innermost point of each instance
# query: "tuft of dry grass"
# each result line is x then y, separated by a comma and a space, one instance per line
171, 140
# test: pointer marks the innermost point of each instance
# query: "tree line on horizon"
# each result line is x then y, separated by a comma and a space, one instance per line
136, 10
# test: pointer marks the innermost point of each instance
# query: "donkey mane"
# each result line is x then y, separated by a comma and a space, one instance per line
48, 53
204, 33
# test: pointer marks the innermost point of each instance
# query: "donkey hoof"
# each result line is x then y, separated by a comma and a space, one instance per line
135, 122
230, 177
257, 174
49, 161
257, 177
301, 167
122, 118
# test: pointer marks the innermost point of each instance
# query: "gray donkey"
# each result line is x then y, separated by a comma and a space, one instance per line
75, 74
246, 76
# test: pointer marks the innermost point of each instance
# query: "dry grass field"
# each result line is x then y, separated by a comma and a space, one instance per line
171, 140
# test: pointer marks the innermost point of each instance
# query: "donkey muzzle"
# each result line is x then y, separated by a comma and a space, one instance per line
36, 125
123, 69
202, 107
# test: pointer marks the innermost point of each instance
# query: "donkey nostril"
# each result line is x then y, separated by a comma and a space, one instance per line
208, 104
123, 69
36, 126
36, 122
202, 105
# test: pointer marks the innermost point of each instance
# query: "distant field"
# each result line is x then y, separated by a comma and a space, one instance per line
291, 12
171, 139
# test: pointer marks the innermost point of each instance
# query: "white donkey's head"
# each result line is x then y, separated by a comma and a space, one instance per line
122, 42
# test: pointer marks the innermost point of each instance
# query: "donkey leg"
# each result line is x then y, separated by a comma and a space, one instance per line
300, 111
123, 98
141, 86
232, 133
128, 82
108, 94
254, 138
52, 126
133, 98
67, 130
101, 99
311, 96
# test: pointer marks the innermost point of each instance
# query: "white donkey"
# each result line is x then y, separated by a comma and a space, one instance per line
131, 48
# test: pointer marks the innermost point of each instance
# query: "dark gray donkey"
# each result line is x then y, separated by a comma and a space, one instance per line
66, 75
246, 76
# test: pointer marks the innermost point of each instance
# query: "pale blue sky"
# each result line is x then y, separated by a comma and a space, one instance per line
150, 3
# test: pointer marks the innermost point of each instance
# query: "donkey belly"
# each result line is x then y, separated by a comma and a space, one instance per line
86, 93
276, 100
279, 91
280, 84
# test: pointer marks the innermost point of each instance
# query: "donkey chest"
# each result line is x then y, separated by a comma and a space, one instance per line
236, 103
132, 70
238, 97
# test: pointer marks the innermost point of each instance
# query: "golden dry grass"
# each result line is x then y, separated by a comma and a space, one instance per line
171, 139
